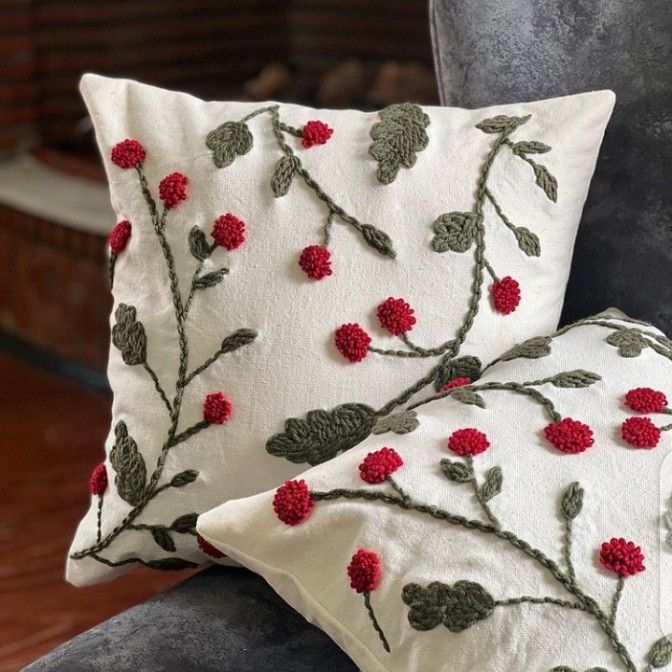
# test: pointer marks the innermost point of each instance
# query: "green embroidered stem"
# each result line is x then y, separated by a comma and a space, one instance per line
99, 519
158, 387
142, 526
616, 599
490, 270
397, 487
374, 620
111, 266
203, 367
326, 234
168, 564
525, 599
477, 493
192, 288
567, 550
505, 220
666, 428
261, 110
416, 351
590, 605
187, 433
519, 388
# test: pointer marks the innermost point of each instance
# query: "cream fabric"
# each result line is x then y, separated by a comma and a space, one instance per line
627, 491
293, 366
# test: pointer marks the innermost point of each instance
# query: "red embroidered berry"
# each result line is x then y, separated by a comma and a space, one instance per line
352, 342
315, 133
292, 502
456, 382
118, 238
505, 295
646, 400
128, 154
98, 479
640, 432
569, 436
217, 408
208, 548
364, 571
228, 231
173, 189
396, 316
622, 557
377, 466
468, 441
315, 262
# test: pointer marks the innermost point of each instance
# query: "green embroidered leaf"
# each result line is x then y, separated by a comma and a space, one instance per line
502, 124
211, 279
237, 339
492, 485
228, 141
185, 523
563, 668
128, 335
456, 471
546, 181
530, 147
163, 539
378, 240
467, 396
660, 654
461, 367
198, 244
184, 478
399, 423
458, 607
323, 434
630, 343
528, 242
455, 231
572, 501
129, 465
285, 169
534, 348
170, 564
577, 378
397, 138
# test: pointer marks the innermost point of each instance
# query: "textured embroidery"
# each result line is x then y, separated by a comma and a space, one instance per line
641, 432
397, 138
461, 605
135, 483
118, 239
234, 138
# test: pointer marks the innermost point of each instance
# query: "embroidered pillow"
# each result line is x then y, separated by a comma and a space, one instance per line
270, 261
518, 526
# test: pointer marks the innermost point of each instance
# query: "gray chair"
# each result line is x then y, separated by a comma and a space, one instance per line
497, 51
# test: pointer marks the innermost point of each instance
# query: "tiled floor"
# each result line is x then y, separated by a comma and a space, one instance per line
51, 435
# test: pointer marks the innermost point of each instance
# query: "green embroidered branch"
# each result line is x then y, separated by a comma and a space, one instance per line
491, 487
620, 584
374, 620
587, 603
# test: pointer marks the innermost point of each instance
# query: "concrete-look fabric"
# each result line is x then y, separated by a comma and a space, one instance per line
225, 619
271, 261
519, 525
506, 50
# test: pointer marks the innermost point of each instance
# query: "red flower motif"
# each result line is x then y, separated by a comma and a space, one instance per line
119, 236
229, 231
352, 342
377, 466
128, 154
505, 295
364, 571
468, 441
396, 316
622, 557
456, 382
315, 261
292, 502
315, 133
640, 432
569, 436
217, 408
208, 548
98, 479
646, 400
173, 189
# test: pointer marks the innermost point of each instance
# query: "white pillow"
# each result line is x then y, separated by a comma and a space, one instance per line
463, 575
412, 221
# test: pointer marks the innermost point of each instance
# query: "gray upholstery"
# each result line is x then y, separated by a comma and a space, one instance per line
221, 620
500, 51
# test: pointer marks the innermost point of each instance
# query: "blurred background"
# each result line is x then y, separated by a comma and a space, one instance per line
55, 216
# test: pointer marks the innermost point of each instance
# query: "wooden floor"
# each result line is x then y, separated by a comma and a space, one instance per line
51, 435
